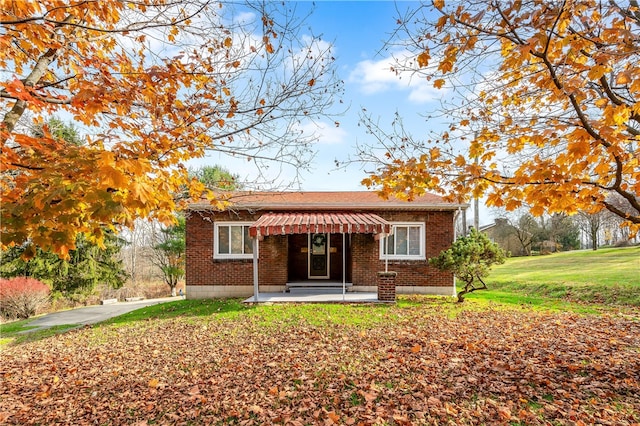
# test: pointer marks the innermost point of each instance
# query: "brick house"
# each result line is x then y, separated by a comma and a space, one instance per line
268, 241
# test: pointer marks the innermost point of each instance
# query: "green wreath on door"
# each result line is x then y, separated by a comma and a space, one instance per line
319, 240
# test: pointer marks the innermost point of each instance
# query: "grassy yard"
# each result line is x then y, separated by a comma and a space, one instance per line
426, 360
522, 353
606, 276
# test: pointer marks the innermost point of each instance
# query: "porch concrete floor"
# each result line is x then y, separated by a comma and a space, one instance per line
315, 296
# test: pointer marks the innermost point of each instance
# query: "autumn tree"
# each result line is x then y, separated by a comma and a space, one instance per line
540, 106
524, 230
517, 226
87, 264
563, 230
590, 223
153, 83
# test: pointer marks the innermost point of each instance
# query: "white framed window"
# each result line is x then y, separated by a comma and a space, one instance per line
231, 240
406, 242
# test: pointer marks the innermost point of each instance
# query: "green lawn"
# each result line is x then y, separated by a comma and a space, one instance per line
424, 361
555, 340
602, 278
607, 276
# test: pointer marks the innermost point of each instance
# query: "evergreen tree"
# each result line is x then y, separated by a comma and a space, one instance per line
87, 266
169, 253
470, 258
216, 177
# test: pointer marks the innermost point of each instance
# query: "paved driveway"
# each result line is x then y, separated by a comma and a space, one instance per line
93, 314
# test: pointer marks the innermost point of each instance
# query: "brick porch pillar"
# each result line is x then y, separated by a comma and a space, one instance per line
387, 286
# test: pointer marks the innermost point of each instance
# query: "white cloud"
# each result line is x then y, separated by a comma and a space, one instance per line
327, 133
375, 77
422, 92
244, 17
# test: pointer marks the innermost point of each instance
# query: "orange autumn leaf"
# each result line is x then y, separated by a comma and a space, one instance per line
423, 59
335, 418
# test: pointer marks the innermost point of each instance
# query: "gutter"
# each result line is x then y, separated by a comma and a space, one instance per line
455, 237
333, 207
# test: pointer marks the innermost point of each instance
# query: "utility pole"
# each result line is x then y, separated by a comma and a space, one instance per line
476, 202
465, 228
476, 212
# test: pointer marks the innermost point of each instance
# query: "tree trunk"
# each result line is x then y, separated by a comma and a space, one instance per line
39, 69
469, 288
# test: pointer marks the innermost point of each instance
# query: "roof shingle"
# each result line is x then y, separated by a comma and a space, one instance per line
328, 200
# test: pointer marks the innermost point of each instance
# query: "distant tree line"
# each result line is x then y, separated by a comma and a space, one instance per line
522, 234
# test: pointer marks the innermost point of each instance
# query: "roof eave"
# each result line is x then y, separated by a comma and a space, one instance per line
329, 207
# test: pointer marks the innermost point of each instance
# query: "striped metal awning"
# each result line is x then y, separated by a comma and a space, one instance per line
302, 223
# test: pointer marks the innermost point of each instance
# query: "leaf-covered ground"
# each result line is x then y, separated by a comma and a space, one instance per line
399, 365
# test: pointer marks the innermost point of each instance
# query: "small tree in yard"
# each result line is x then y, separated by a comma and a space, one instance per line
169, 253
22, 297
470, 258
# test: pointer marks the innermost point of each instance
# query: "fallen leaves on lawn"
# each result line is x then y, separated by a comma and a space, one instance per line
419, 367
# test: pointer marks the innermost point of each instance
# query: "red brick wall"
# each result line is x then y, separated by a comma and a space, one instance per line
199, 251
387, 286
439, 236
203, 269
272, 268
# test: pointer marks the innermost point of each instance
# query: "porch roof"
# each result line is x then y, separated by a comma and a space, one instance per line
302, 223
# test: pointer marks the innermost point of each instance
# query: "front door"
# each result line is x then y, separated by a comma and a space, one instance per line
318, 256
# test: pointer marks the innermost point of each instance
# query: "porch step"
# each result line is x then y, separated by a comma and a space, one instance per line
315, 290
324, 287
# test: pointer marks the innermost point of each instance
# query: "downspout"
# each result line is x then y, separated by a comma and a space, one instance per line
255, 268
386, 250
455, 221
386, 255
344, 266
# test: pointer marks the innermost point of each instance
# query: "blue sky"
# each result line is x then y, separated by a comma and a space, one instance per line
357, 31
